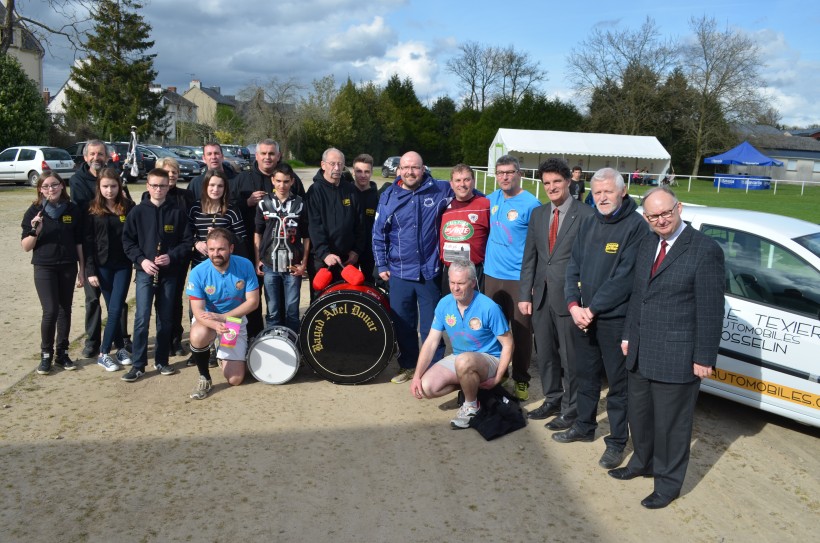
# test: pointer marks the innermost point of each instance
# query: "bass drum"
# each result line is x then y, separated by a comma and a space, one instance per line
347, 335
274, 356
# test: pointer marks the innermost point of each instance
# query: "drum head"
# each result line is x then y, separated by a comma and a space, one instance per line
347, 337
273, 358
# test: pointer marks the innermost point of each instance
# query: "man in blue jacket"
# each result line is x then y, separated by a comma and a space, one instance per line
406, 250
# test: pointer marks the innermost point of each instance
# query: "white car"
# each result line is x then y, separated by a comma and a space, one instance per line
770, 345
24, 164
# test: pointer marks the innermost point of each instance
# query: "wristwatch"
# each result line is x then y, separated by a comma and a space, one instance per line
33, 232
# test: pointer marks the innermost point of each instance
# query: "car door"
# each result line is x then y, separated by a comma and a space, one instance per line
8, 164
26, 162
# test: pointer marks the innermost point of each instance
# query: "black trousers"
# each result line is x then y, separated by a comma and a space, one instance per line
660, 418
55, 288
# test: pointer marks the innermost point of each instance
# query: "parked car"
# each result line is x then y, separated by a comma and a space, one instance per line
76, 151
188, 169
235, 157
188, 152
771, 327
24, 164
391, 166
121, 148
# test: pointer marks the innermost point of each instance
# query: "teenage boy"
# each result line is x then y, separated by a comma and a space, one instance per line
282, 246
156, 238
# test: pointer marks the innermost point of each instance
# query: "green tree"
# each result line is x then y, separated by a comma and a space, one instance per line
22, 111
630, 106
112, 83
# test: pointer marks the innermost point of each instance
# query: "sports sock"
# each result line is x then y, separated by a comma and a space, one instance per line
200, 356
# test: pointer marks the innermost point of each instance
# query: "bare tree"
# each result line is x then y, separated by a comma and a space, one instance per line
604, 57
724, 68
75, 13
519, 73
271, 110
479, 69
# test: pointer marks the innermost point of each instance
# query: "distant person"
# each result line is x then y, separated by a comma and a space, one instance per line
465, 226
223, 286
481, 340
576, 184
106, 265
52, 231
368, 202
671, 338
597, 289
214, 159
550, 238
510, 211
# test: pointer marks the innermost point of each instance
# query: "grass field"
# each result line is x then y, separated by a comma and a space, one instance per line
788, 201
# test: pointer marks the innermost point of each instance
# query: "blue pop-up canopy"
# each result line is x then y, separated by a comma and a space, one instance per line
744, 154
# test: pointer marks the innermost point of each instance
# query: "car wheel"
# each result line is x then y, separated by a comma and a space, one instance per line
32, 178
385, 172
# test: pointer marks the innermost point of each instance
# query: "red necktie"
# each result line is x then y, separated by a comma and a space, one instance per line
554, 228
659, 259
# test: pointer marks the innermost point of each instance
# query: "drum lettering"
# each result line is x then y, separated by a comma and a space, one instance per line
335, 310
367, 319
317, 336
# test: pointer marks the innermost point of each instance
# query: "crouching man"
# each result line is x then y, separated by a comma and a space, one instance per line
482, 345
222, 286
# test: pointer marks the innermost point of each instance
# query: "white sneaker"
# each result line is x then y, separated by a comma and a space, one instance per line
404, 375
107, 363
123, 357
464, 416
203, 387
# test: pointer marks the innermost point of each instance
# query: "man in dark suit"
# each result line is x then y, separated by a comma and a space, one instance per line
671, 338
550, 236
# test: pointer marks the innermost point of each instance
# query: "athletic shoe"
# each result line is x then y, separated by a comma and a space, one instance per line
107, 363
203, 387
123, 357
45, 364
133, 374
165, 369
404, 375
522, 391
464, 416
62, 360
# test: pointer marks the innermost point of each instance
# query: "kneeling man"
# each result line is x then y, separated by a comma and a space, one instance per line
222, 286
482, 345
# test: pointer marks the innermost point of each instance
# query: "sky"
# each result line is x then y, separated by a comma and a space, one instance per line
236, 43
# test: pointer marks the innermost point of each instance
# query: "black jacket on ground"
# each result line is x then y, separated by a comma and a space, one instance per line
148, 225
334, 219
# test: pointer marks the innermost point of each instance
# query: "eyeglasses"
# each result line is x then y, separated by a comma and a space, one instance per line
336, 164
505, 173
51, 187
158, 187
662, 215
412, 168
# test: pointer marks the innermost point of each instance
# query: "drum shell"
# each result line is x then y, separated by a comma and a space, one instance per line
273, 357
346, 335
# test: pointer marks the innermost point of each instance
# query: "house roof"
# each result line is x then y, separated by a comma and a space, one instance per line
175, 98
762, 138
30, 41
218, 98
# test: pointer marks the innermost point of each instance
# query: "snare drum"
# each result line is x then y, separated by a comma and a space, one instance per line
274, 356
346, 334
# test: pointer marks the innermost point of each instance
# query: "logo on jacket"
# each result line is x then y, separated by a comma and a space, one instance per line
475, 323
210, 290
169, 228
67, 219
429, 202
122, 218
611, 247
370, 212
450, 320
457, 230
512, 215
240, 285
493, 210
346, 202
473, 217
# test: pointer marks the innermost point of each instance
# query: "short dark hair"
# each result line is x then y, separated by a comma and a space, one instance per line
460, 167
554, 165
577, 169
158, 172
364, 157
220, 232
285, 168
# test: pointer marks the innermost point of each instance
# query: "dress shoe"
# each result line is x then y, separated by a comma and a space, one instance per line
547, 409
611, 458
573, 434
626, 474
561, 422
657, 501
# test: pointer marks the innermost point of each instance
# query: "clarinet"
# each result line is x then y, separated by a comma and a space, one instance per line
156, 275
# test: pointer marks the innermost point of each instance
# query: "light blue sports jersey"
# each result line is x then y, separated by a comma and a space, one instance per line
222, 291
509, 219
477, 331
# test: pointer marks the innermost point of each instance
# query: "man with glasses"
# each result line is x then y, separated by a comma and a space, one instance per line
83, 188
156, 237
510, 209
597, 289
671, 338
334, 218
406, 249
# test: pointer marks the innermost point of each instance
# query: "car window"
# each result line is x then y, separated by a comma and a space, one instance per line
52, 153
761, 270
27, 154
8, 155
810, 242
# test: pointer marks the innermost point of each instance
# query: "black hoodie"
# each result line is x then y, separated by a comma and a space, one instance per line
603, 261
334, 219
82, 187
148, 225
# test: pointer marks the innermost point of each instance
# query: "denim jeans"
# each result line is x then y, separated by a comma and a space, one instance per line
280, 313
145, 297
114, 283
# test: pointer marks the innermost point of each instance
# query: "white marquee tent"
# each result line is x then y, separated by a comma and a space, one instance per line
590, 151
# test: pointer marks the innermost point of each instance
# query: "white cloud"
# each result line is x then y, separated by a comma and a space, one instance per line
411, 59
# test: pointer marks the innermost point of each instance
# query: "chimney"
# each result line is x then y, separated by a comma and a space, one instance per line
195, 83
46, 96
172, 89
